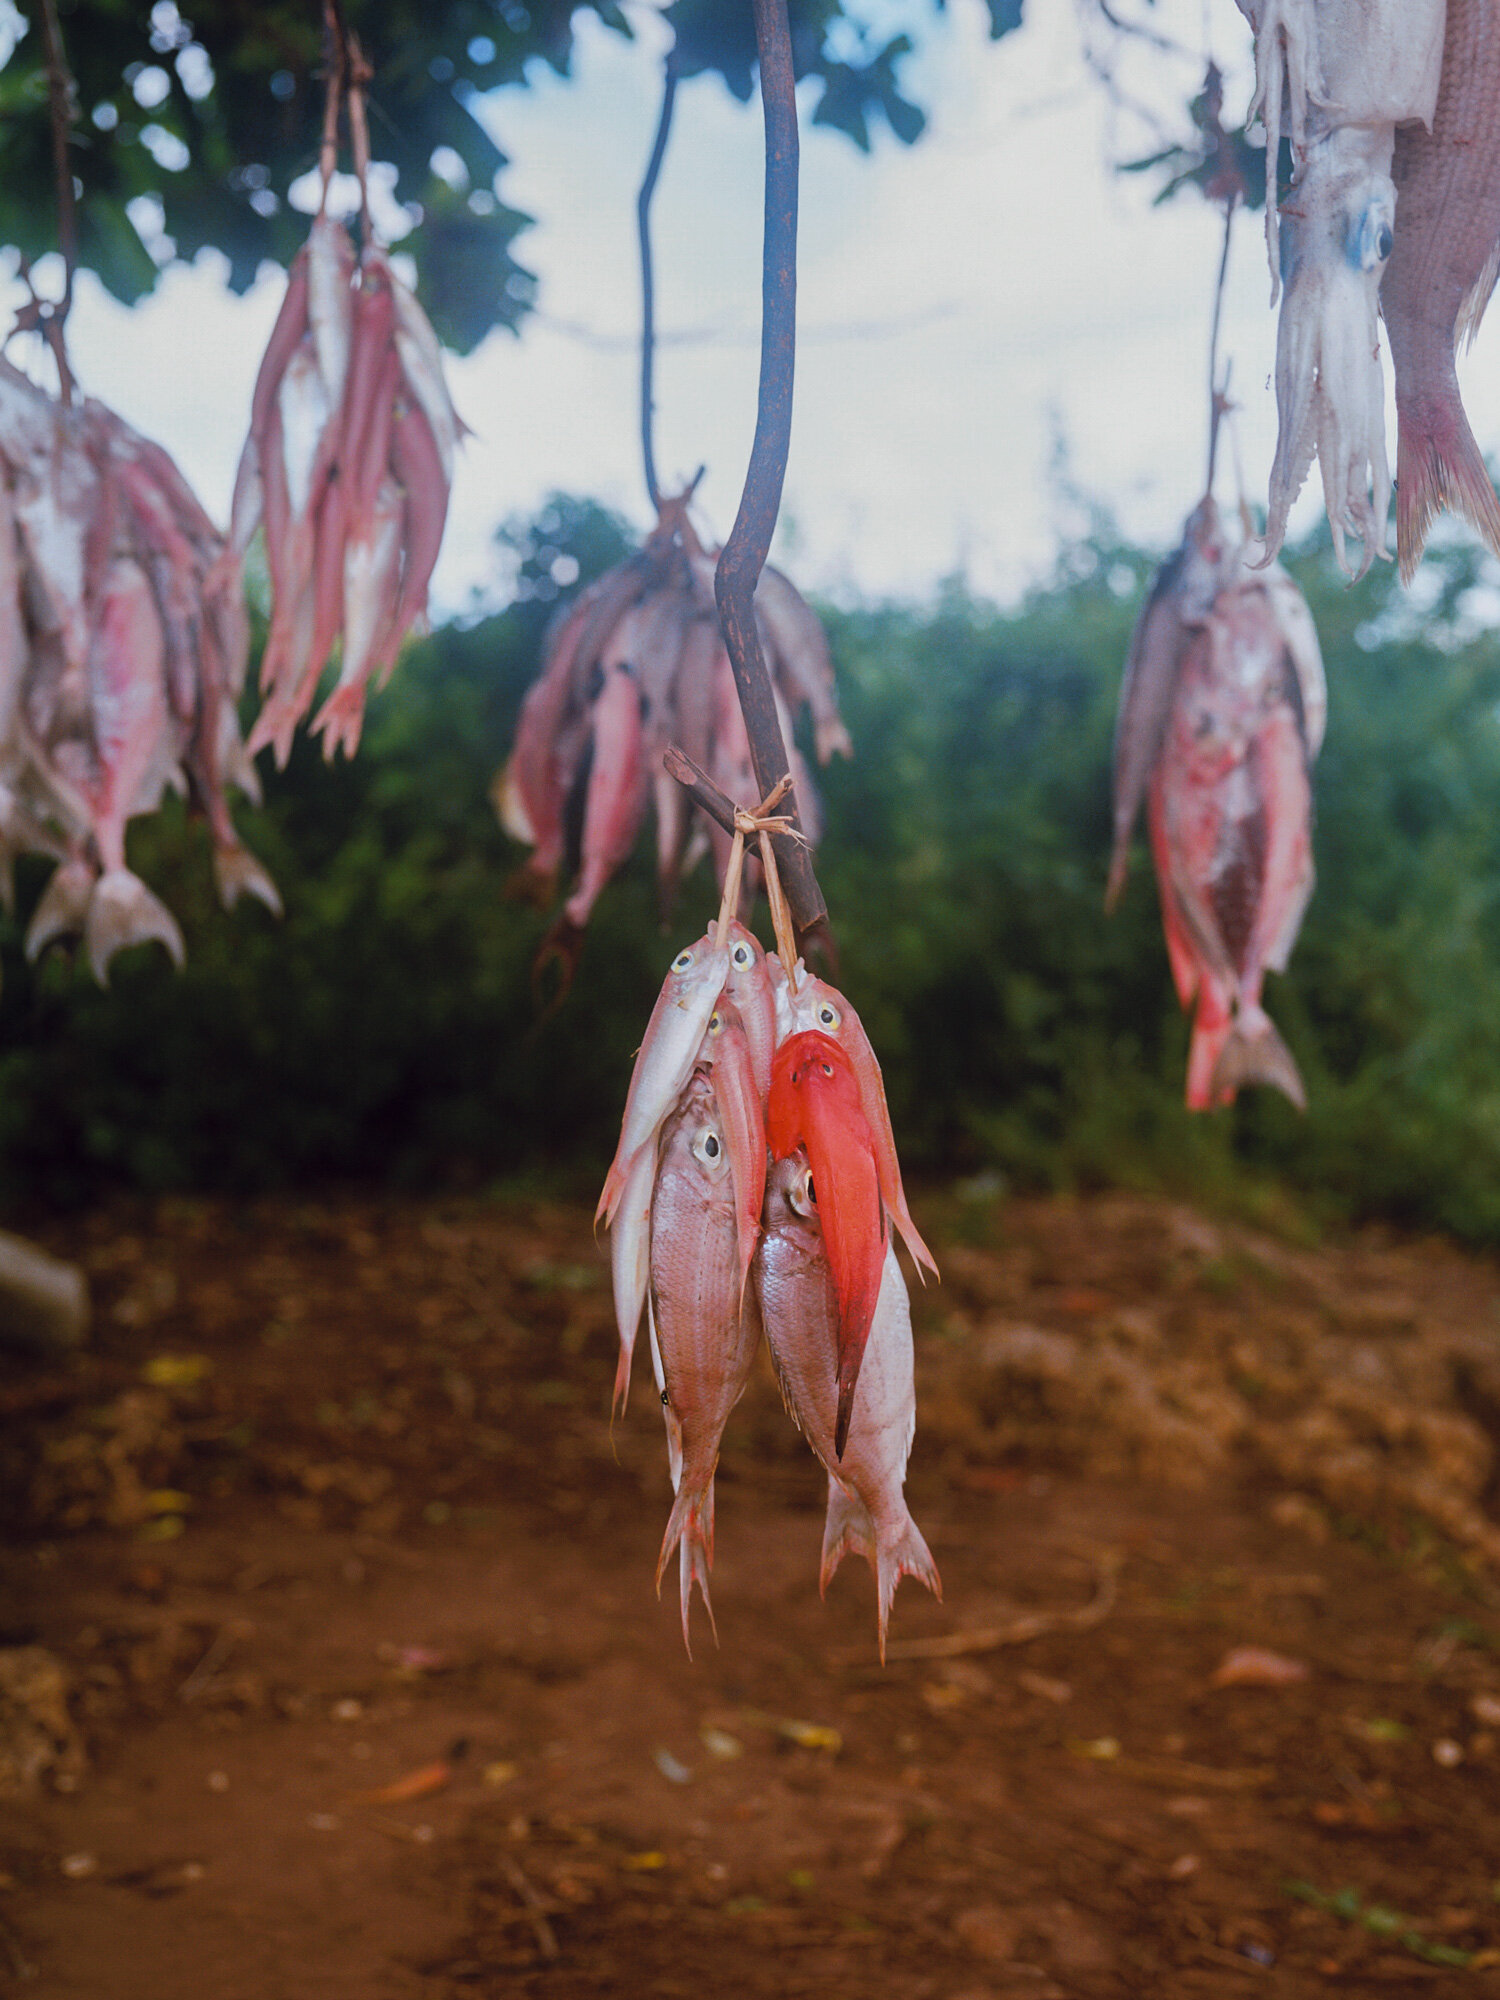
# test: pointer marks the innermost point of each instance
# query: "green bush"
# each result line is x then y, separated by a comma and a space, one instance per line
387, 1029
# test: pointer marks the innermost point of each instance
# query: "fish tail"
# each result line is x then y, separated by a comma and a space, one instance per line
850, 1526
1255, 1053
122, 911
62, 909
690, 1530
237, 873
1439, 465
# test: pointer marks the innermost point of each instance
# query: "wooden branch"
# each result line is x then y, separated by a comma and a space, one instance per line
749, 543
648, 291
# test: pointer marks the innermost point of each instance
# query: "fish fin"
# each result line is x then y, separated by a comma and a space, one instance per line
911, 1237
123, 911
850, 1526
1471, 311
1255, 1053
622, 1383
690, 1530
62, 908
237, 873
1438, 465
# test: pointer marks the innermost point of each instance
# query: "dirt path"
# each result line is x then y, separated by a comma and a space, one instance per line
332, 1509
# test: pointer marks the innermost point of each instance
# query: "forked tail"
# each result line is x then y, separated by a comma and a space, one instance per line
1439, 465
900, 1552
1255, 1053
690, 1530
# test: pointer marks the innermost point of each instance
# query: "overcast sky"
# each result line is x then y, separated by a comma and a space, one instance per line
962, 304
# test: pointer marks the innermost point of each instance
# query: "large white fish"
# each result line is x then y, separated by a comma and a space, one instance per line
867, 1510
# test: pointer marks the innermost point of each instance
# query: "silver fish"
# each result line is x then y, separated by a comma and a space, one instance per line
867, 1510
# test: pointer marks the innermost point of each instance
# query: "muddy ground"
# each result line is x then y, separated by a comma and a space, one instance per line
332, 1664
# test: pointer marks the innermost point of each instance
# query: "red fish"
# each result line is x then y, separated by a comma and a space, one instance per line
1231, 833
815, 1103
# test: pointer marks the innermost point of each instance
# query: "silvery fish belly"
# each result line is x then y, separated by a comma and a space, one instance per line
867, 1509
1439, 281
703, 1345
1231, 830
1343, 74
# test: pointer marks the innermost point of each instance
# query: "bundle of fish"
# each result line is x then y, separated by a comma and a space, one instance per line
348, 464
121, 662
636, 662
753, 1190
1221, 718
1393, 110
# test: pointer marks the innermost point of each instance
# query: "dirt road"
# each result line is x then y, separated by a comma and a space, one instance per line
332, 1663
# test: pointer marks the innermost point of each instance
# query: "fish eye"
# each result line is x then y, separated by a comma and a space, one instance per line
683, 960
1370, 239
828, 1015
741, 957
716, 1023
827, 1068
810, 1191
666, 1400
1385, 242
711, 1146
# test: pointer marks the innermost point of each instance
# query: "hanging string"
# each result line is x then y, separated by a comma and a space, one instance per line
51, 318
749, 542
648, 295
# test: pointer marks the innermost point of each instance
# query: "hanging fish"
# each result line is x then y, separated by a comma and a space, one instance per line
867, 1509
703, 1340
1439, 280
1231, 829
1179, 600
1350, 72
813, 1004
815, 1104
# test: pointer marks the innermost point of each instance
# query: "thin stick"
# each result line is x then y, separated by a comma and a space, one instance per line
1215, 394
729, 901
360, 75
781, 920
700, 787
536, 1909
338, 73
648, 296
749, 542
61, 91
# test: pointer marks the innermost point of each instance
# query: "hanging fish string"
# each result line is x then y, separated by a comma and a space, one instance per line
756, 1181
121, 662
1221, 719
752, 1191
349, 459
641, 659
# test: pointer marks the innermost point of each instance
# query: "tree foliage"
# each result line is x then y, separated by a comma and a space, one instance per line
212, 110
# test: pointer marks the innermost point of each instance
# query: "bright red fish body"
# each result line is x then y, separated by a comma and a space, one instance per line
815, 1103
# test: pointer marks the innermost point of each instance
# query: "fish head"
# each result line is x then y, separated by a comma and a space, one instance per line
808, 1069
694, 1141
791, 1205
697, 966
749, 987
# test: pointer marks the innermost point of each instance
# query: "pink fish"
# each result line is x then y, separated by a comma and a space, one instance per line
703, 1343
867, 1509
1231, 826
616, 794
1439, 279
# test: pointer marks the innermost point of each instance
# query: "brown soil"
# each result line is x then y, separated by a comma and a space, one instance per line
330, 1661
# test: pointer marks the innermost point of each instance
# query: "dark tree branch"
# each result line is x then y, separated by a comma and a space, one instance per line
648, 294
749, 541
